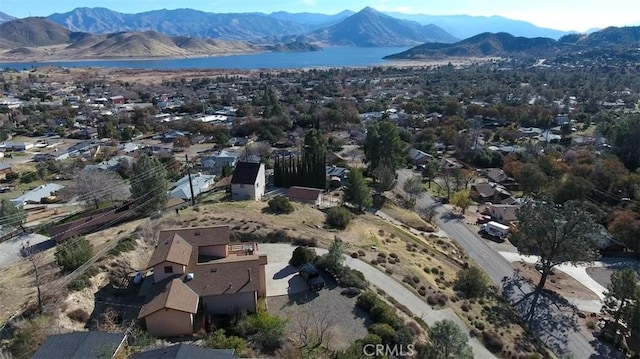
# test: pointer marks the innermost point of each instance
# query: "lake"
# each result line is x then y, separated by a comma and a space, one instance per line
328, 57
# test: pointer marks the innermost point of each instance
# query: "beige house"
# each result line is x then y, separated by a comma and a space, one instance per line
197, 271
248, 181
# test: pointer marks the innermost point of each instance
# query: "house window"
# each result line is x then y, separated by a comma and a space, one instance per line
168, 269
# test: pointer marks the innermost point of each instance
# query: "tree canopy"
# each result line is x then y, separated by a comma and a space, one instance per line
149, 186
356, 190
557, 234
10, 214
619, 301
447, 341
383, 146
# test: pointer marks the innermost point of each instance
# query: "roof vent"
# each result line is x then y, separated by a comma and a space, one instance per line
189, 277
213, 270
197, 233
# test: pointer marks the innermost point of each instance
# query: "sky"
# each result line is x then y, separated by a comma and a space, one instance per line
567, 15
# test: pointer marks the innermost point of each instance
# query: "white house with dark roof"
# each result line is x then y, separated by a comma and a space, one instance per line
248, 181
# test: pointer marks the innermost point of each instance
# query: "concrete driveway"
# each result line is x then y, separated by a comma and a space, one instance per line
10, 250
282, 278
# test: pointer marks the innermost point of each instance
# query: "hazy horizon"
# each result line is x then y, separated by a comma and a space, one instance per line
565, 15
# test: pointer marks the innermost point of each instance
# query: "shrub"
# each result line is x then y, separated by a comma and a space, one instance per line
492, 341
307, 242
280, 205
338, 217
79, 315
435, 270
302, 255
219, 340
351, 278
361, 253
265, 330
384, 331
393, 255
383, 313
73, 253
367, 300
350, 292
479, 325
415, 279
471, 282
354, 255
465, 307
124, 245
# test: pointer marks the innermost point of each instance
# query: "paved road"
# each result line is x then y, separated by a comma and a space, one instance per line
557, 330
394, 289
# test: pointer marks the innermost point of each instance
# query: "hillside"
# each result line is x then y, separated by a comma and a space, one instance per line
35, 31
487, 44
5, 17
628, 36
39, 39
312, 19
179, 22
465, 26
372, 28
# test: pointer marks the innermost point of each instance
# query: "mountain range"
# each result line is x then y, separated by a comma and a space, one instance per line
504, 44
252, 26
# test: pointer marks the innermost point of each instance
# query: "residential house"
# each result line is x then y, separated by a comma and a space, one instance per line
83, 147
562, 120
336, 175
170, 136
54, 155
497, 175
200, 183
219, 159
185, 351
116, 100
5, 168
305, 195
418, 157
490, 192
18, 146
81, 345
547, 136
111, 164
197, 271
502, 213
37, 194
248, 181
449, 165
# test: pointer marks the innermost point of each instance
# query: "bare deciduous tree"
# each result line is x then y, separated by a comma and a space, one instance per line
313, 328
95, 187
413, 187
36, 258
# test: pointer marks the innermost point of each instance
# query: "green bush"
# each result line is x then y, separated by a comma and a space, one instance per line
386, 333
338, 217
266, 331
351, 278
280, 205
471, 282
73, 253
302, 255
367, 300
28, 177
126, 244
219, 340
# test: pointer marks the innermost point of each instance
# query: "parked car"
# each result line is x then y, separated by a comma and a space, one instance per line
311, 274
482, 219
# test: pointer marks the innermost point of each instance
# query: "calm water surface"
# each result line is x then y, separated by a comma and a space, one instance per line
328, 57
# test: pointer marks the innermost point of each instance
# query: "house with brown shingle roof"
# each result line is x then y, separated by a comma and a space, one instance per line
198, 271
305, 195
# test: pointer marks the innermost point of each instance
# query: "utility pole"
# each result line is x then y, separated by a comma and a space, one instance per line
193, 198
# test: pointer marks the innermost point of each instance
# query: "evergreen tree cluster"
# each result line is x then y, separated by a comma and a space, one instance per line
307, 169
303, 170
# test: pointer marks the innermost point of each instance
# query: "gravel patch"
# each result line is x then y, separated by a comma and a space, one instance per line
349, 322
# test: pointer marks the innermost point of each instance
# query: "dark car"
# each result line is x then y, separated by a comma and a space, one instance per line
311, 274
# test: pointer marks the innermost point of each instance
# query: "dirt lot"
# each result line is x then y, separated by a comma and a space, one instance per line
558, 282
345, 321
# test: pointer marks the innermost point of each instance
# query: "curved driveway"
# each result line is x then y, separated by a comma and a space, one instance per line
390, 286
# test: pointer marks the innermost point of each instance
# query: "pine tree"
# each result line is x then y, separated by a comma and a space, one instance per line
149, 190
356, 190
